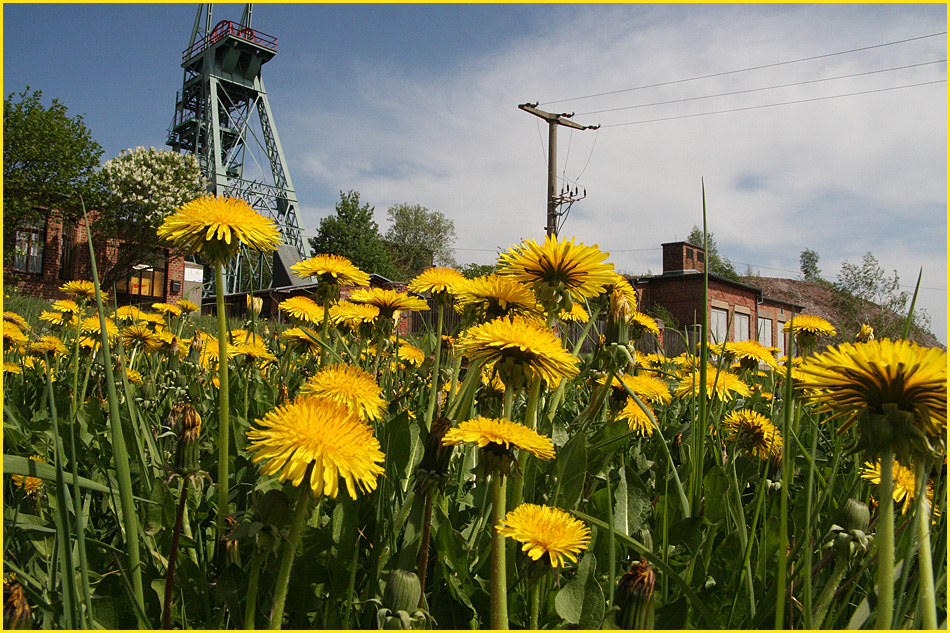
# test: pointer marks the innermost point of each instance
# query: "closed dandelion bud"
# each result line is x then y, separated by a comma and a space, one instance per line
643, 536
186, 453
402, 592
231, 546
254, 304
865, 334
16, 609
855, 515
634, 597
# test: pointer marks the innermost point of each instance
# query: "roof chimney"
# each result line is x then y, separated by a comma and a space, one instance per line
681, 257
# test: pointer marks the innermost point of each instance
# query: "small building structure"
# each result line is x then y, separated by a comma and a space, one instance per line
49, 254
735, 311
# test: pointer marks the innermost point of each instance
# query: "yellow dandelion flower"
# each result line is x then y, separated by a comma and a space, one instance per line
167, 308
188, 306
13, 336
905, 483
254, 348
522, 348
15, 319
12, 368
546, 532
718, 385
871, 378
353, 315
494, 296
82, 288
303, 339
31, 485
49, 344
388, 301
647, 388
754, 433
554, 267
216, 227
324, 433
302, 309
349, 385
643, 323
410, 354
140, 336
637, 419
333, 270
865, 334
440, 281
127, 313
500, 435
133, 376
92, 324
66, 305
58, 318
577, 314
807, 328
750, 353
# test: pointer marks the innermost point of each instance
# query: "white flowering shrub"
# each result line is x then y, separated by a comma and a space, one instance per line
149, 184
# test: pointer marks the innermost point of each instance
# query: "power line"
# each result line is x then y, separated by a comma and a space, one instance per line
772, 105
739, 92
743, 70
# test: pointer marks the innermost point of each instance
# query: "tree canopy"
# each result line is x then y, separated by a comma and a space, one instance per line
715, 263
809, 265
419, 238
49, 160
353, 233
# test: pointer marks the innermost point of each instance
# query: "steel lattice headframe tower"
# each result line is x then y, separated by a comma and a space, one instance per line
222, 116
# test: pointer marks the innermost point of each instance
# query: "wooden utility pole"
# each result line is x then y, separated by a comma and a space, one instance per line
553, 120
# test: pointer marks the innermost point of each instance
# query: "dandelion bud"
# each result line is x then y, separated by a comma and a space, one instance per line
186, 454
634, 597
255, 304
434, 467
643, 536
402, 591
865, 334
855, 515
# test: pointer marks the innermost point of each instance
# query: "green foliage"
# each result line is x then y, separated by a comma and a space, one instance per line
715, 263
354, 234
49, 160
471, 271
419, 238
866, 294
809, 265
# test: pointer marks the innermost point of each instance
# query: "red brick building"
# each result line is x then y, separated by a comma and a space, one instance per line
50, 254
735, 311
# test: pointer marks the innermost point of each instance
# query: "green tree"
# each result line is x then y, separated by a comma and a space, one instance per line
471, 271
809, 265
419, 238
139, 189
49, 160
866, 294
354, 234
715, 263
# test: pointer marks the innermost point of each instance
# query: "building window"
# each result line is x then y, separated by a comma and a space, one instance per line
143, 284
30, 244
68, 235
742, 327
718, 325
765, 331
780, 343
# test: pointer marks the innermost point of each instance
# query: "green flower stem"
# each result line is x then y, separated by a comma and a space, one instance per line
927, 597
534, 603
123, 471
783, 491
827, 593
422, 567
173, 556
499, 584
434, 389
530, 421
885, 543
224, 412
250, 607
325, 332
301, 511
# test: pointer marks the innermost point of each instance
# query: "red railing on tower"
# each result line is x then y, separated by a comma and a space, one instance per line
225, 28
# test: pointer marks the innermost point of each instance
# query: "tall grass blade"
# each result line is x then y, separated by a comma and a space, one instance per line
913, 302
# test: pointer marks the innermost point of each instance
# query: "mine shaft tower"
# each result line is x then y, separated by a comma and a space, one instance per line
223, 117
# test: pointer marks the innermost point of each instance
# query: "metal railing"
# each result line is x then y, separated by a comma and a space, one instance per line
225, 28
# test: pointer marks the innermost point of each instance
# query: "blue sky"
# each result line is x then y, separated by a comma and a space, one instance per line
418, 103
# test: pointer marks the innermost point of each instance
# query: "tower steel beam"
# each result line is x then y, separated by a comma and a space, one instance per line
223, 117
